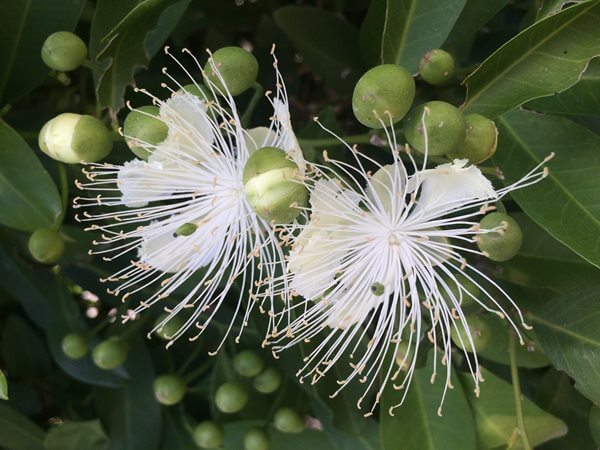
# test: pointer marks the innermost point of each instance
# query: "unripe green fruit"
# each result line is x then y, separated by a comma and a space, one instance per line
110, 354
208, 434
237, 68
142, 126
231, 397
383, 91
480, 141
437, 67
168, 330
63, 51
479, 331
248, 363
72, 138
200, 91
467, 285
46, 245
256, 439
503, 244
268, 381
74, 346
272, 185
445, 126
287, 420
169, 389
404, 355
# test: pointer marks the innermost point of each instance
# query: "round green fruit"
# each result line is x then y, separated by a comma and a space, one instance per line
231, 397
248, 363
46, 245
437, 67
503, 244
480, 141
110, 354
63, 51
479, 331
169, 389
142, 128
267, 381
234, 66
287, 420
170, 328
74, 346
256, 439
208, 434
383, 96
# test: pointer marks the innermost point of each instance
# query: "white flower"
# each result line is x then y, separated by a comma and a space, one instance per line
381, 261
192, 181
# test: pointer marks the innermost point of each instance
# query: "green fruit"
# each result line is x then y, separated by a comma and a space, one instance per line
169, 389
236, 67
503, 244
63, 51
143, 127
200, 91
256, 439
467, 285
479, 331
268, 381
404, 355
46, 245
231, 397
445, 125
208, 434
272, 185
480, 141
248, 363
170, 328
74, 346
287, 420
437, 67
110, 354
72, 138
383, 91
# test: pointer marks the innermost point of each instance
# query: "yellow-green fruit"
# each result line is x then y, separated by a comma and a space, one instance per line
236, 67
208, 434
437, 67
46, 245
268, 381
273, 187
63, 51
503, 244
256, 439
445, 126
169, 389
110, 354
382, 92
143, 127
231, 397
404, 355
72, 138
248, 363
479, 331
287, 420
480, 141
74, 346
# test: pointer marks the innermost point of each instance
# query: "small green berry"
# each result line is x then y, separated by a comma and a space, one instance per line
169, 389
74, 346
231, 397
142, 127
46, 245
404, 356
110, 354
445, 126
480, 141
248, 363
63, 51
383, 92
478, 330
287, 420
437, 67
234, 66
208, 434
256, 439
503, 244
268, 381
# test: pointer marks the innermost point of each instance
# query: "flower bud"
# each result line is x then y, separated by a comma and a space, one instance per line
72, 138
142, 126
110, 354
248, 363
233, 66
382, 92
208, 434
63, 51
46, 245
437, 66
445, 126
503, 243
479, 331
268, 381
74, 346
287, 420
273, 186
256, 439
169, 389
231, 397
480, 141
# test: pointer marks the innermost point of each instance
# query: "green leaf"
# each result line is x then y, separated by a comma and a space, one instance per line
495, 417
17, 334
28, 197
176, 433
327, 43
402, 31
550, 7
567, 202
546, 58
87, 435
568, 328
3, 387
416, 425
17, 432
24, 26
583, 98
123, 44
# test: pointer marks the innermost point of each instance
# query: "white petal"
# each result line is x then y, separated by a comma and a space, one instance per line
387, 186
288, 142
163, 252
140, 182
330, 202
352, 311
259, 137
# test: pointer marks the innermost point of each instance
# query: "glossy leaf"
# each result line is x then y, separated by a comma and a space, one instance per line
567, 202
77, 436
568, 328
401, 32
3, 387
17, 432
545, 58
28, 197
550, 7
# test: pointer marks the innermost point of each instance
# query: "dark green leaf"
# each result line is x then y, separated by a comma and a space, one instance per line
567, 202
3, 387
35, 361
550, 7
176, 433
546, 58
401, 32
28, 197
77, 436
17, 432
568, 328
